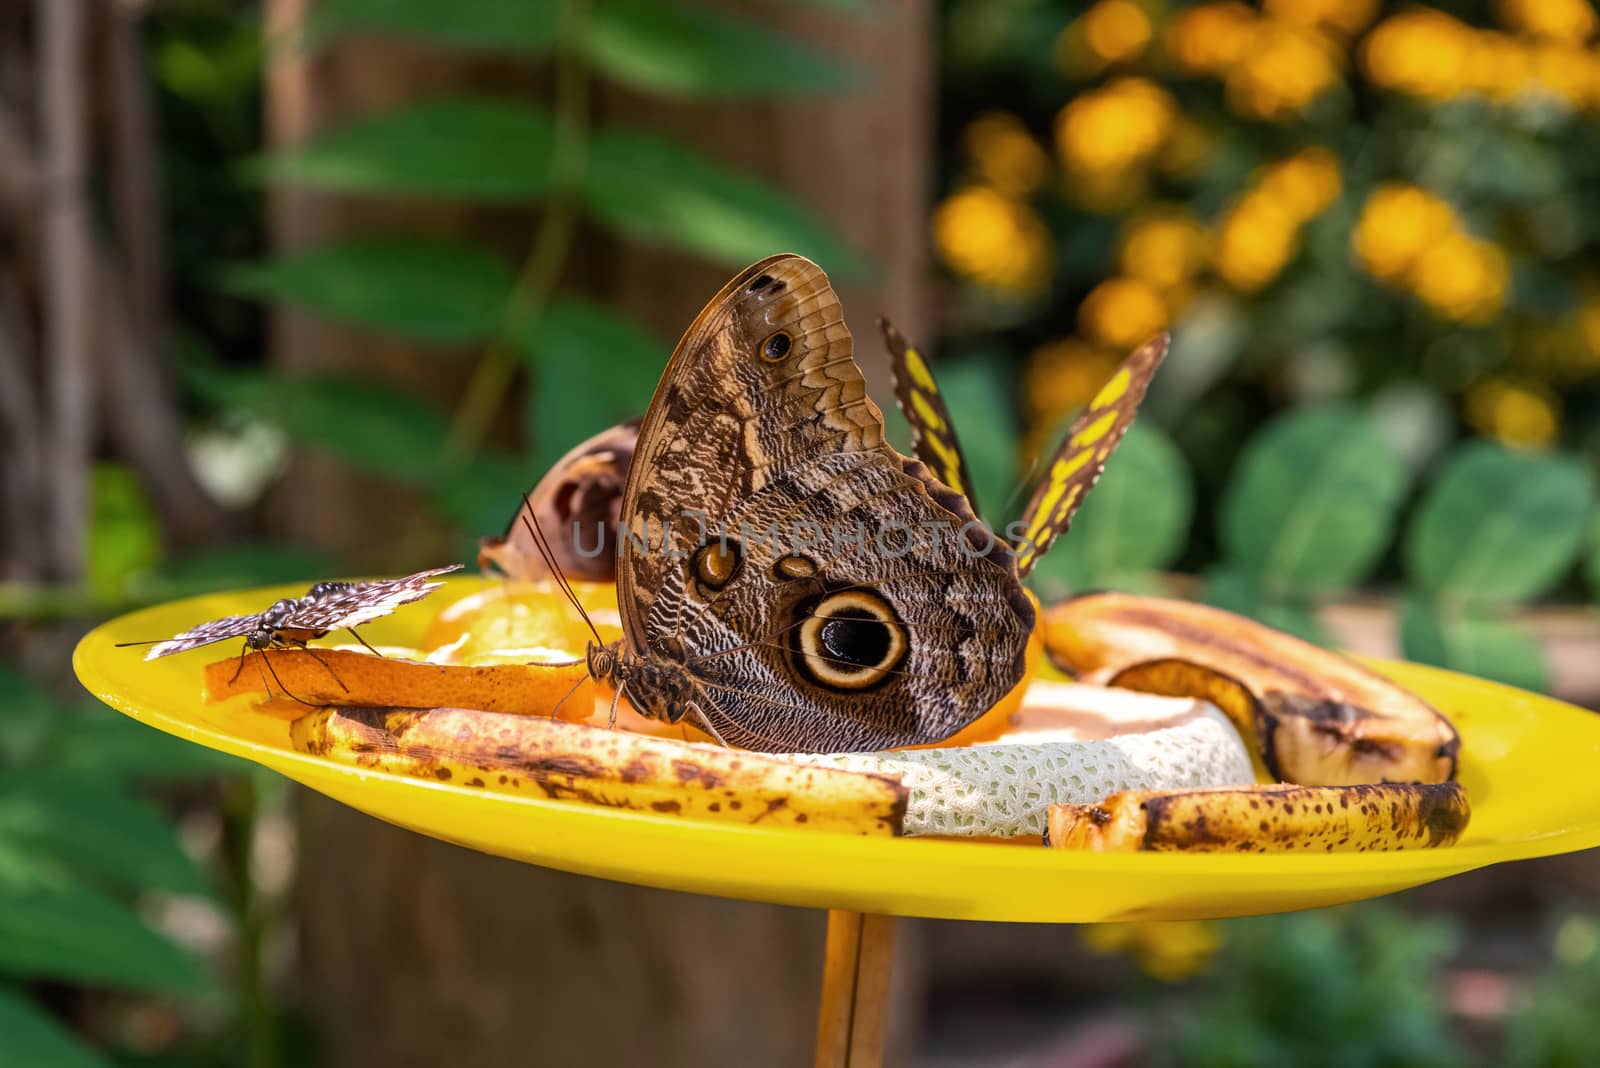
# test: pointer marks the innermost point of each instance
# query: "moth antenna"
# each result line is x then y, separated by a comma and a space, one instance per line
357, 636
569, 693
326, 666
549, 557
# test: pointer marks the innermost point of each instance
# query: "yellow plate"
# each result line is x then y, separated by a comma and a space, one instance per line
1528, 764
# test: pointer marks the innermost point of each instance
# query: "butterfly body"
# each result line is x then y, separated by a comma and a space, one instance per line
784, 575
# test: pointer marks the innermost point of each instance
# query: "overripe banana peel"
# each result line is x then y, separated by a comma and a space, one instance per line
1266, 819
536, 757
1312, 716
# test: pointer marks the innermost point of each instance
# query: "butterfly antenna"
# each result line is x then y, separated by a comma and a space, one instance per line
146, 641
549, 557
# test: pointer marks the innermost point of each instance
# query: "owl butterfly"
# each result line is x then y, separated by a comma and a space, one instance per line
1072, 471
785, 577
293, 621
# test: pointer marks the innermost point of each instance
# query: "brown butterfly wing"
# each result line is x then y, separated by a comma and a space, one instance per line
1079, 460
217, 630
761, 424
933, 432
361, 602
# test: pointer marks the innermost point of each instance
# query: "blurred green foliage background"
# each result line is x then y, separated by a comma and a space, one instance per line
1371, 229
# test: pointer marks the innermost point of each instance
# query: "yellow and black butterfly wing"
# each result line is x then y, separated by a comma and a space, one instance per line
933, 433
1078, 461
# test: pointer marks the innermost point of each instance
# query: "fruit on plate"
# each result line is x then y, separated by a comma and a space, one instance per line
1082, 743
1266, 819
538, 757
1312, 716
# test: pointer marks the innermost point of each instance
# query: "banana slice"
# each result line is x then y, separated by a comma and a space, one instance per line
1267, 819
1312, 716
537, 757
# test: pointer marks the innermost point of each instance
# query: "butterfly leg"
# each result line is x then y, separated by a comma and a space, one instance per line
611, 723
569, 693
240, 669
357, 636
705, 725
286, 692
326, 666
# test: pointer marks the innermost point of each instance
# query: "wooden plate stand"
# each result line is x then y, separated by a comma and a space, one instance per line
855, 990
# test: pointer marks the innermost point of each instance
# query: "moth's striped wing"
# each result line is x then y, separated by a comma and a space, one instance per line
362, 602
218, 630
933, 433
1077, 464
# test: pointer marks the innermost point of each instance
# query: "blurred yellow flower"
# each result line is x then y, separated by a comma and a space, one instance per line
1115, 31
1122, 312
993, 239
1004, 154
1343, 18
1461, 277
1170, 950
1516, 414
1498, 65
1285, 69
1421, 52
1062, 376
1305, 183
1164, 247
1212, 37
1115, 127
1256, 239
1559, 20
1397, 222
1566, 71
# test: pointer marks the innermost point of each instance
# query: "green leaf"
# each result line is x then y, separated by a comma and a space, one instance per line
95, 828
1135, 520
1498, 525
980, 410
34, 1038
430, 290
76, 935
653, 189
470, 148
693, 51
1238, 591
1471, 641
592, 369
515, 27
26, 716
102, 745
124, 533
1312, 503
373, 428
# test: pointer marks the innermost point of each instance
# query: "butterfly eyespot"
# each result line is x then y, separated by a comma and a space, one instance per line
776, 347
715, 563
794, 566
760, 282
848, 641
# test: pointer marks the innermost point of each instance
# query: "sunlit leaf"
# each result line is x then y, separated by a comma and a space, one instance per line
95, 828
371, 427
1472, 641
124, 532
1498, 525
35, 1038
1312, 502
516, 27
427, 289
686, 49
1134, 521
470, 148
74, 934
592, 369
653, 189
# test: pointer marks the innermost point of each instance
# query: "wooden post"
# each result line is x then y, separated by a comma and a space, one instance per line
856, 972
